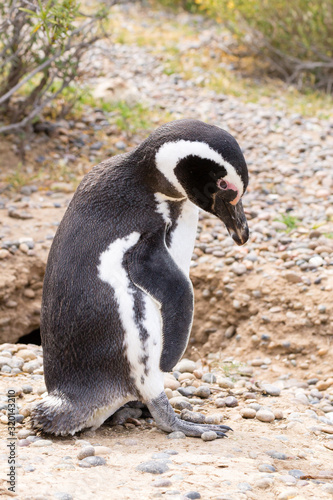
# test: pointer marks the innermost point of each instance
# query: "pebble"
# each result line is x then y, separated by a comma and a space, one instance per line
86, 451
202, 392
193, 495
286, 494
265, 416
185, 365
271, 390
248, 413
208, 436
153, 467
277, 455
162, 483
63, 496
191, 416
176, 435
41, 442
264, 483
231, 401
210, 378
266, 468
90, 461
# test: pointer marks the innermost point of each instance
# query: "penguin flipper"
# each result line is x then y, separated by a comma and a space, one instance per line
152, 269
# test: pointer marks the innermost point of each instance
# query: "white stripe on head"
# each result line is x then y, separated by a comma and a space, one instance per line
169, 155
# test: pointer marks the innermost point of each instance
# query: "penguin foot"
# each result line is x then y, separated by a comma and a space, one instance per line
57, 415
167, 420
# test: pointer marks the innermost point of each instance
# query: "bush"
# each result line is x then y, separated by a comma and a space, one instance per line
294, 37
42, 43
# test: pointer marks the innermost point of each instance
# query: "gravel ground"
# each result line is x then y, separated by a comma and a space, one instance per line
265, 309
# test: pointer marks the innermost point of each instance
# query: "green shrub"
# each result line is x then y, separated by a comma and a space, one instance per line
42, 43
294, 37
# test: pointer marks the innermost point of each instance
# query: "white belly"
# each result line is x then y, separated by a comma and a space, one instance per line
183, 236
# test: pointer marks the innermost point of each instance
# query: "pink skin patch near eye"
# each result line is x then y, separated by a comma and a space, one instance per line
225, 186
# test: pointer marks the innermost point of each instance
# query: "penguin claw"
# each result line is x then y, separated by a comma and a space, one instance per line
221, 434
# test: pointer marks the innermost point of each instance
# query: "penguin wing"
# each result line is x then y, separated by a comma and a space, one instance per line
152, 269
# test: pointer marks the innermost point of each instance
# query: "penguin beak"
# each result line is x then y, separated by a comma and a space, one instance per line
234, 219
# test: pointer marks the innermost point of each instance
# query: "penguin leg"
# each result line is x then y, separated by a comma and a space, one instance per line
167, 420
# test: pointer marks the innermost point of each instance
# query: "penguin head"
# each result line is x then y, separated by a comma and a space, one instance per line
205, 164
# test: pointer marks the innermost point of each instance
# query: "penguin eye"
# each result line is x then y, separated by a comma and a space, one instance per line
222, 184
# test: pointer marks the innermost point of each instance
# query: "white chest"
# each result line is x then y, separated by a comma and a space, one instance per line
183, 236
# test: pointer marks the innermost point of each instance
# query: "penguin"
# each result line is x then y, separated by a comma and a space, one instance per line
117, 304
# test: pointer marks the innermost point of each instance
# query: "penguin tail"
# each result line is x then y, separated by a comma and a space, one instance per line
58, 415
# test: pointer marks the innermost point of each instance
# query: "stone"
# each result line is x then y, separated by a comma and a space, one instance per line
231, 401
161, 483
86, 451
248, 413
4, 254
171, 383
264, 483
208, 436
209, 378
193, 495
271, 390
265, 415
191, 416
276, 454
202, 392
225, 383
213, 419
153, 467
176, 435
41, 442
292, 277
220, 403
185, 365
238, 269
92, 461
267, 468
286, 494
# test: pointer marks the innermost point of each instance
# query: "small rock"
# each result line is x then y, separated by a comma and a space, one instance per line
92, 461
293, 277
238, 269
4, 253
162, 483
86, 451
153, 466
213, 419
286, 494
278, 414
41, 442
192, 495
176, 435
208, 436
271, 390
231, 401
265, 416
202, 392
266, 468
102, 450
209, 378
192, 416
276, 454
248, 413
225, 383
296, 473
220, 403
185, 365
264, 483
